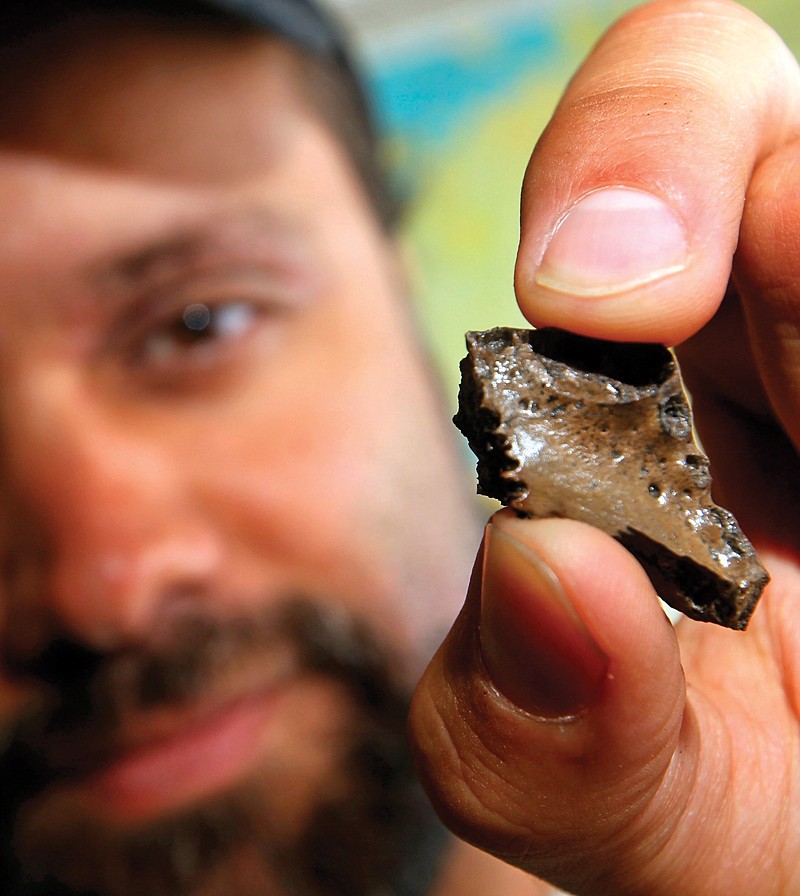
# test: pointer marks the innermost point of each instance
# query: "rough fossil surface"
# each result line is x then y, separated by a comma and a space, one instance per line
597, 431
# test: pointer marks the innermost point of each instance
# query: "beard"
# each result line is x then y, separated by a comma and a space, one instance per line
370, 831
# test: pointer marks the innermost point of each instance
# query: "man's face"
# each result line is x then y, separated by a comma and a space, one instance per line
225, 478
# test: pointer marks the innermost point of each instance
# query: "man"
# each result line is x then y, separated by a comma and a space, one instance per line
234, 527
230, 476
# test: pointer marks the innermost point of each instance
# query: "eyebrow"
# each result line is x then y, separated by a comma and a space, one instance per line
222, 235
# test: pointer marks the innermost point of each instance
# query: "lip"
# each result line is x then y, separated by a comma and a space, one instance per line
193, 761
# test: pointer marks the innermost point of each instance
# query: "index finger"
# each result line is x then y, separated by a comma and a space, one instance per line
632, 200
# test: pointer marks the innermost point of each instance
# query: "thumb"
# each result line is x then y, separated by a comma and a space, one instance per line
547, 726
632, 200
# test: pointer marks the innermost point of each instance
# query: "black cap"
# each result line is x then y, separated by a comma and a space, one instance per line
303, 22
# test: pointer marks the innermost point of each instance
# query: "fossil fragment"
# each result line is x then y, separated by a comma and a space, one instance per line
597, 431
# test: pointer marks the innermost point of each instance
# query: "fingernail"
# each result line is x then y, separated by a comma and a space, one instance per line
613, 240
535, 647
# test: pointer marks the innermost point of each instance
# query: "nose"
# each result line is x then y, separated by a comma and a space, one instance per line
99, 540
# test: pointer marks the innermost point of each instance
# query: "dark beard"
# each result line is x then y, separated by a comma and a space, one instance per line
376, 835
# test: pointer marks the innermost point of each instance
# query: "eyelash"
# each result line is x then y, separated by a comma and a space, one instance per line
195, 326
194, 345
196, 334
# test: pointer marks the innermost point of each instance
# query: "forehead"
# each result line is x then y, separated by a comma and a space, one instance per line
128, 137
183, 104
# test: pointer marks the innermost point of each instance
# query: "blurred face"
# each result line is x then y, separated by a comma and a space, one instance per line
232, 528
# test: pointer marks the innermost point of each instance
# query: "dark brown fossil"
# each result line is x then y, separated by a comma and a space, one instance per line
597, 431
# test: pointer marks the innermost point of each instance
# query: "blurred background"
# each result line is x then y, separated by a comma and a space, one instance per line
463, 88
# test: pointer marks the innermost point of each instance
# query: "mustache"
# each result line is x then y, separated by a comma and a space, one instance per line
92, 695
89, 696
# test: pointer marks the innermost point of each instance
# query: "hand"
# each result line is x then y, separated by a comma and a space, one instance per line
564, 725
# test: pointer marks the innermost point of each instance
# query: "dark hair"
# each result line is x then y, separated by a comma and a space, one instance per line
331, 81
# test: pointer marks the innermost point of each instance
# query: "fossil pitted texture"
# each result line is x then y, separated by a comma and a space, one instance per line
602, 432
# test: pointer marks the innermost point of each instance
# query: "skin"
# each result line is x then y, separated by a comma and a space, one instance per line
680, 775
150, 479
689, 786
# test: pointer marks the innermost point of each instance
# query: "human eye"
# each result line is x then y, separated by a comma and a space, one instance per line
195, 342
194, 332
195, 316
